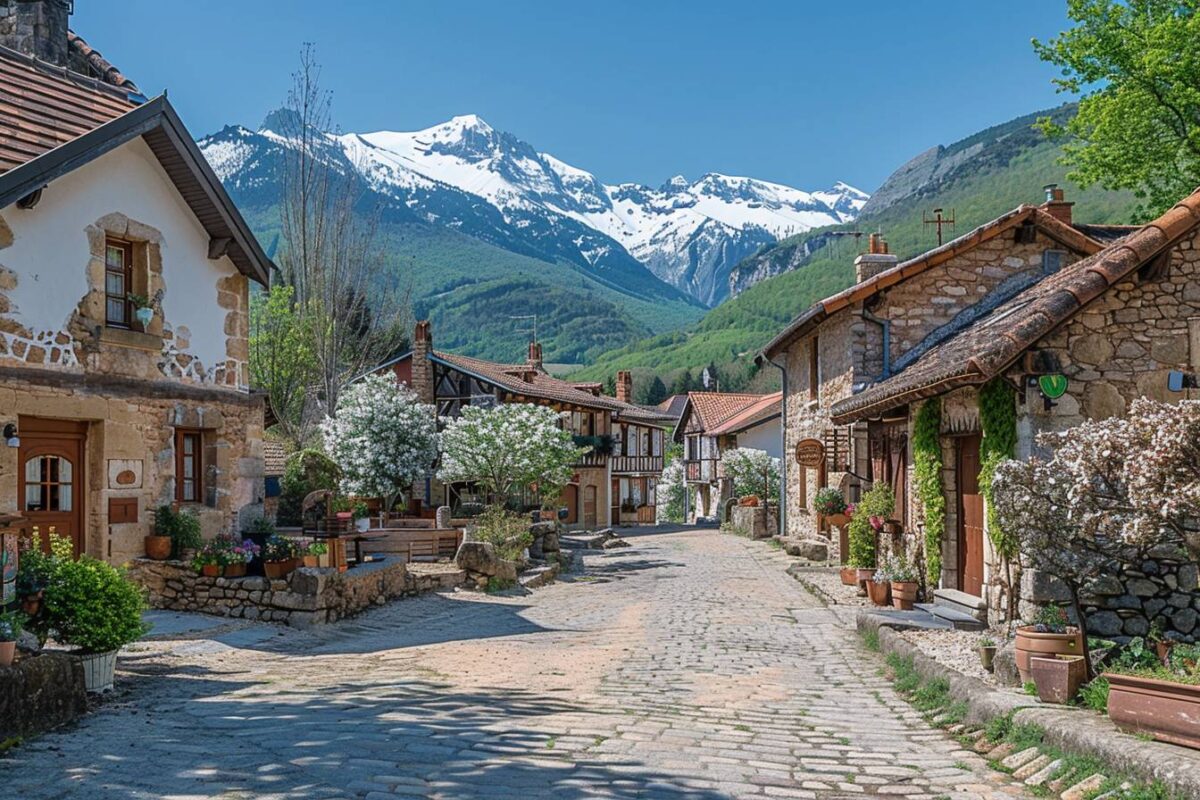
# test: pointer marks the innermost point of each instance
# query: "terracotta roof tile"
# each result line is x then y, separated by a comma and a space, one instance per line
765, 408
713, 408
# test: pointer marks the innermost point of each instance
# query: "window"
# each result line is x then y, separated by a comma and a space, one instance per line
656, 442
48, 484
118, 283
189, 467
814, 369
1053, 260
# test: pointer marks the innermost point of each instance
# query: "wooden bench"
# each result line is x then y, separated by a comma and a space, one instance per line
415, 543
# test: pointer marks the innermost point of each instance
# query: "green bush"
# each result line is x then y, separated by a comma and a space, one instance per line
508, 532
877, 502
92, 606
306, 471
34, 571
927, 466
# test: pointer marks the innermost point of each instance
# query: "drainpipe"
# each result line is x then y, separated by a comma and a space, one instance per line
783, 461
886, 326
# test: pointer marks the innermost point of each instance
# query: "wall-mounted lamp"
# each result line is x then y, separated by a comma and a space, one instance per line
10, 435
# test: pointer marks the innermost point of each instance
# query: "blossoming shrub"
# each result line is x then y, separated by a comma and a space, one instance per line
671, 492
753, 472
382, 438
876, 506
506, 530
508, 448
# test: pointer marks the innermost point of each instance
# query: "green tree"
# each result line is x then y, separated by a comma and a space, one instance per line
1137, 65
281, 363
683, 383
657, 392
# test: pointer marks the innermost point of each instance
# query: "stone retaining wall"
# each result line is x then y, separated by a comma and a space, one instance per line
757, 521
308, 596
40, 692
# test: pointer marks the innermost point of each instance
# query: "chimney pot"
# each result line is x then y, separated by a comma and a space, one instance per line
875, 260
1056, 204
876, 244
535, 355
625, 386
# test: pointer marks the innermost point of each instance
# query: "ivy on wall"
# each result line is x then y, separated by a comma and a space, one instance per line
998, 419
927, 465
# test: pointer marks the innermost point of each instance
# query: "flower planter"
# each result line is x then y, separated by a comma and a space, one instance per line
312, 561
904, 594
987, 657
158, 547
278, 569
1170, 712
879, 592
98, 670
211, 570
1058, 678
849, 576
1030, 643
235, 571
362, 525
837, 520
8, 651
144, 316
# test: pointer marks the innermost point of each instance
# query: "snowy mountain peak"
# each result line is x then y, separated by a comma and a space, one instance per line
676, 183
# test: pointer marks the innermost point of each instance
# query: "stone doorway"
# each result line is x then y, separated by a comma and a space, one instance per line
50, 479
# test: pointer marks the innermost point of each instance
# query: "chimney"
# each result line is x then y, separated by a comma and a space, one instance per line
422, 367
1056, 204
875, 260
36, 28
625, 386
535, 355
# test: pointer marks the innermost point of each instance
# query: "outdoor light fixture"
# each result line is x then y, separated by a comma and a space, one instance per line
10, 435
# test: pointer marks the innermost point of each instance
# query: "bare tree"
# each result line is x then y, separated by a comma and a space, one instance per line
350, 304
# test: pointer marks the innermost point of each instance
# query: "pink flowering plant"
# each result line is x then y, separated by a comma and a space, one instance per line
1113, 492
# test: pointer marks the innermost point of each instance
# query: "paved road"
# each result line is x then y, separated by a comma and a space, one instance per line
689, 665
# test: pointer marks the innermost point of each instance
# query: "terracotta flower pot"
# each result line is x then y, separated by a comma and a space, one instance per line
235, 570
849, 576
879, 592
1058, 678
8, 651
158, 547
987, 657
1168, 711
1030, 643
863, 579
311, 561
278, 569
837, 520
211, 570
904, 594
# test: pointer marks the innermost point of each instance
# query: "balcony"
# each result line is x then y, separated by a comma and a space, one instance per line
632, 464
601, 448
701, 470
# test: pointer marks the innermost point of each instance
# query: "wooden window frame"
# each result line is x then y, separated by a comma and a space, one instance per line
181, 435
127, 277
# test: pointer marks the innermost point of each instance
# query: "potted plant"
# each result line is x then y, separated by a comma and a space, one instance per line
905, 582
987, 652
92, 607
830, 504
184, 529
11, 625
240, 554
313, 553
158, 542
1058, 677
207, 563
279, 557
865, 525
143, 312
1050, 634
1149, 698
879, 587
34, 571
362, 517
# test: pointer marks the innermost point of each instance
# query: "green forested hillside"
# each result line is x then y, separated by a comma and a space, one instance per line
986, 175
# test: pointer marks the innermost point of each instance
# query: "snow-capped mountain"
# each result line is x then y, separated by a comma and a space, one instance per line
488, 183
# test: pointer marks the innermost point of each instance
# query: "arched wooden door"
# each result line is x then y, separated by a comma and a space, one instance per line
970, 518
50, 482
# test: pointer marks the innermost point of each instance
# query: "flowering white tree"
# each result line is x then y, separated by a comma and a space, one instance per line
1113, 491
752, 472
507, 448
382, 438
671, 492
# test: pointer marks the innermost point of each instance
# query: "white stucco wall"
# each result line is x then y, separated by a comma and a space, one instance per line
50, 247
763, 437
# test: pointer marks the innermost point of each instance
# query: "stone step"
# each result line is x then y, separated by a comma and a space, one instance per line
962, 602
955, 619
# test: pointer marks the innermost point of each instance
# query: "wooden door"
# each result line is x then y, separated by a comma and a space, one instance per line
570, 501
970, 518
589, 507
50, 481
614, 500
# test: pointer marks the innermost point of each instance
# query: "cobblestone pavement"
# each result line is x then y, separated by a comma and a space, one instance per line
689, 665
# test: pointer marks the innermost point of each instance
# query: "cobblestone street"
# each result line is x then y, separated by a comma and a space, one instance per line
689, 665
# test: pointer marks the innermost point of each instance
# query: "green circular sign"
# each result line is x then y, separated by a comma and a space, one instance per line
1053, 386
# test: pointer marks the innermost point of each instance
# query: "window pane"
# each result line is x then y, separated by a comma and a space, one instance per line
64, 470
116, 310
114, 283
189, 467
50, 471
64, 497
33, 470
189, 490
189, 445
33, 497
115, 256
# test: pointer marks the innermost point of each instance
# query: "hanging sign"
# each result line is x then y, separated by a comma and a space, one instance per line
810, 453
1052, 387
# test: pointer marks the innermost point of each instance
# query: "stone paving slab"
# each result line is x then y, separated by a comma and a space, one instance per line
689, 665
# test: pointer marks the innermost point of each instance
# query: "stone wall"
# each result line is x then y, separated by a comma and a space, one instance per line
40, 692
756, 522
305, 597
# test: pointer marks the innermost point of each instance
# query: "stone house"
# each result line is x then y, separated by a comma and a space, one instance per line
107, 205
712, 423
879, 329
1106, 329
615, 483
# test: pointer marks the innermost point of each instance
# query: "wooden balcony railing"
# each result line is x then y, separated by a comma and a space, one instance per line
703, 469
621, 464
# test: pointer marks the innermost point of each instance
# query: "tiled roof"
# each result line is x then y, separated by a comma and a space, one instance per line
98, 65
713, 408
766, 408
522, 379
1068, 235
989, 345
673, 405
275, 457
43, 106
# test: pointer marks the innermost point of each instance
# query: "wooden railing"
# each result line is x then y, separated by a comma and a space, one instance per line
704, 469
637, 464
592, 459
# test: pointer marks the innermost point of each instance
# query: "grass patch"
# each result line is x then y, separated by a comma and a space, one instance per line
495, 584
1094, 695
870, 638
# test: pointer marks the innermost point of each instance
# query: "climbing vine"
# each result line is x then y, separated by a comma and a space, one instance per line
879, 503
927, 464
998, 419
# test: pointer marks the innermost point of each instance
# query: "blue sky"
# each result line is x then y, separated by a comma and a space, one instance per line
800, 92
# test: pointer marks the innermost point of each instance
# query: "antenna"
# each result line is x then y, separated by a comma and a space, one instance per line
939, 221
530, 330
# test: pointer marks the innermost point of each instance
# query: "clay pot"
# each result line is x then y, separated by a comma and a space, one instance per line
278, 569
1058, 678
158, 547
879, 592
311, 561
8, 651
211, 570
863, 579
1030, 643
235, 570
837, 520
904, 594
849, 576
1168, 711
987, 657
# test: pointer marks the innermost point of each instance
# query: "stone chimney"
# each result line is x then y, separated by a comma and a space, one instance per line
1056, 204
422, 367
535, 355
875, 260
36, 28
625, 386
